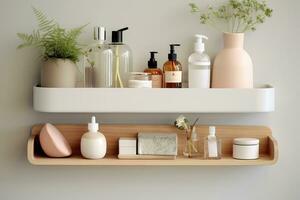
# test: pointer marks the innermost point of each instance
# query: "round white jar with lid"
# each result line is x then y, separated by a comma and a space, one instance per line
140, 80
246, 148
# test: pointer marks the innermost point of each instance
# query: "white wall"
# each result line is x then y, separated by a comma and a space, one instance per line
153, 24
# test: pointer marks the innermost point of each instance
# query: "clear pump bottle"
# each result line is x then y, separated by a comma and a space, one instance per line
98, 61
122, 59
199, 65
212, 145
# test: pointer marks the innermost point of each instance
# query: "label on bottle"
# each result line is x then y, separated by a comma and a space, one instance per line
156, 81
202, 64
173, 76
199, 75
199, 78
212, 147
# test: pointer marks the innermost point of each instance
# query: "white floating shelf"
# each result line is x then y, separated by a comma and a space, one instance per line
131, 100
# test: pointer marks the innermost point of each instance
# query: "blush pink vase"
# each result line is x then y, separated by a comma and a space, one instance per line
233, 66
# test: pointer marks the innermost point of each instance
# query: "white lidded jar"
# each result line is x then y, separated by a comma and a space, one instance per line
93, 143
140, 80
246, 148
199, 65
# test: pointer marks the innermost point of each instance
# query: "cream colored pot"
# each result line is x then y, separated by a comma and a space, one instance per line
233, 66
59, 73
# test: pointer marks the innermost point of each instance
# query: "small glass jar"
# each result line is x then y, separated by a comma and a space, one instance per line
192, 144
140, 80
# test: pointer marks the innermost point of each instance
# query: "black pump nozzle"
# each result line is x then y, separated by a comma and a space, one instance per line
152, 63
172, 55
117, 36
123, 29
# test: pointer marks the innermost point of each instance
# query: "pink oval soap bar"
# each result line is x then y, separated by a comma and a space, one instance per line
53, 143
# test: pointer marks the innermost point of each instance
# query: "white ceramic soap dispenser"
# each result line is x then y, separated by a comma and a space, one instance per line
93, 143
199, 65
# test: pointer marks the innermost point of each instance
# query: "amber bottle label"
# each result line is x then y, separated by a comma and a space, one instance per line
173, 76
156, 81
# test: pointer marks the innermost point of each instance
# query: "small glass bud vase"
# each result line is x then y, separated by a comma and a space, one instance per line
192, 144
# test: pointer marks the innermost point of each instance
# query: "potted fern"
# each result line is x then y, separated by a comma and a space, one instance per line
60, 51
233, 66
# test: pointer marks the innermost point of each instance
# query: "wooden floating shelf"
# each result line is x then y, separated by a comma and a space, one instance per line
73, 133
162, 100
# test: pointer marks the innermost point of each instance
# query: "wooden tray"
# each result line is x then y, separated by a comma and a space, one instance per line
73, 133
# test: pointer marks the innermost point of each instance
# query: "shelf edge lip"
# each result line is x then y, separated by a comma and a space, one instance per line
261, 87
39, 163
265, 102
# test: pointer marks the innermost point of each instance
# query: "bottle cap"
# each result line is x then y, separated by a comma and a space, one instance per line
117, 36
212, 131
172, 55
199, 45
246, 141
152, 63
99, 33
93, 126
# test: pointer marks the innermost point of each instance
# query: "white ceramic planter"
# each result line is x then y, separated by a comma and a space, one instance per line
59, 73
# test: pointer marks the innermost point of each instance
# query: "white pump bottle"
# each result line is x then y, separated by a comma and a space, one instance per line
199, 65
93, 143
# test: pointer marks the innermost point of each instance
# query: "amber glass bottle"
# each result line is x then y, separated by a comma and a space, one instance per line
155, 72
172, 70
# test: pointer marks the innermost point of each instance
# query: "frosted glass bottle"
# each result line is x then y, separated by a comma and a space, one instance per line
98, 62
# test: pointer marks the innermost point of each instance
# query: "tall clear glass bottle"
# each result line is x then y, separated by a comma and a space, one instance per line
122, 59
98, 61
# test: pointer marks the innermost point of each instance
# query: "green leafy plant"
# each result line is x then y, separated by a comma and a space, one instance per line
239, 15
52, 40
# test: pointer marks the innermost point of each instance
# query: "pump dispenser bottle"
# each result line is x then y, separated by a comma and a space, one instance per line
122, 59
199, 65
172, 70
212, 145
93, 143
156, 73
98, 61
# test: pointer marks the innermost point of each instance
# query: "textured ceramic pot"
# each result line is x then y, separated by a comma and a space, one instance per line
59, 73
233, 66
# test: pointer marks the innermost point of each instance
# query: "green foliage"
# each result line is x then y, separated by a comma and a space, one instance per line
54, 41
238, 15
